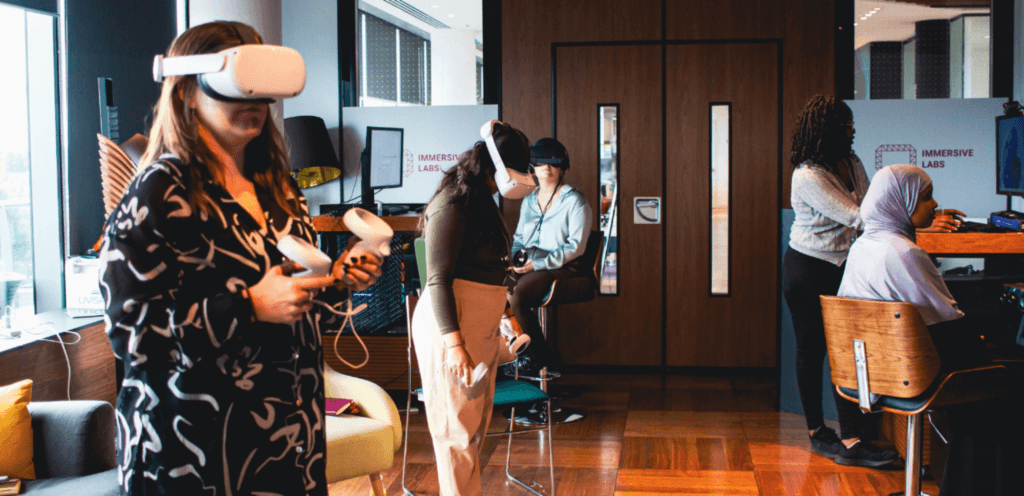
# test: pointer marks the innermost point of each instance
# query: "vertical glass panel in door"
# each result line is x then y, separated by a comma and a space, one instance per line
608, 184
720, 194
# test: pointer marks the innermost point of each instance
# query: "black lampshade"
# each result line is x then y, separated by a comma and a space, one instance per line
312, 155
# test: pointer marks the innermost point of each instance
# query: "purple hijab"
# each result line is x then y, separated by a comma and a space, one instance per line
885, 263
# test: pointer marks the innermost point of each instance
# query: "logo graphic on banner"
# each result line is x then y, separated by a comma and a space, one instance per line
882, 150
409, 163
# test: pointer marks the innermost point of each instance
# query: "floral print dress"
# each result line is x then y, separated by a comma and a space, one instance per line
212, 403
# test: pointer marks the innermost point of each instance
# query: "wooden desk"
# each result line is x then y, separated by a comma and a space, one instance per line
964, 244
92, 363
329, 223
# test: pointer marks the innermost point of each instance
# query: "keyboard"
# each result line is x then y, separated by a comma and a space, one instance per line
977, 227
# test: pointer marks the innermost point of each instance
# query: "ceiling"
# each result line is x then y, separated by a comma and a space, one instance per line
459, 14
894, 21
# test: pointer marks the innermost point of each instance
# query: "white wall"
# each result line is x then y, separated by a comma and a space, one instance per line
434, 138
311, 27
977, 48
453, 67
263, 15
965, 183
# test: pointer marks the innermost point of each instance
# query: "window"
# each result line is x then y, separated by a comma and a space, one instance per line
29, 163
409, 56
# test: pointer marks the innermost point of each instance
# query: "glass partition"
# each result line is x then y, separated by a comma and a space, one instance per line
608, 184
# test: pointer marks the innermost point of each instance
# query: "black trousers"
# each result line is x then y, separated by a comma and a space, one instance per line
804, 279
526, 293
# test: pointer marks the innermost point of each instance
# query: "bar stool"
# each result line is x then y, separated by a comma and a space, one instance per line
883, 349
578, 289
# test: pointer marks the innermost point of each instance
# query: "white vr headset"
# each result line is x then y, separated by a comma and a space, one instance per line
244, 73
512, 184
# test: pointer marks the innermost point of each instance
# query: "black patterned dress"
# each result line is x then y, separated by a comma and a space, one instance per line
212, 403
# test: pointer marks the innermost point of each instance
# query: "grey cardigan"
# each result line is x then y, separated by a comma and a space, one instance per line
827, 214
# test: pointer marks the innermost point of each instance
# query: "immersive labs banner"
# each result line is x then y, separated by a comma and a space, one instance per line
434, 139
951, 139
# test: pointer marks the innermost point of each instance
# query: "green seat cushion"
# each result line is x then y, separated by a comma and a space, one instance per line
508, 393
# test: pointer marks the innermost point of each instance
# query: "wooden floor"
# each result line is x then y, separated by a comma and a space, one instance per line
657, 435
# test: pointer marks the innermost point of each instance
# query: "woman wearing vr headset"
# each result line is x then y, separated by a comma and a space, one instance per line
554, 224
455, 326
224, 386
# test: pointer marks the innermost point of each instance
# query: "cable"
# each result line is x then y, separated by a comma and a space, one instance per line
348, 320
64, 347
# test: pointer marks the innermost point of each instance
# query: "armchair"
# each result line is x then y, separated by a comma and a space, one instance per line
359, 445
73, 448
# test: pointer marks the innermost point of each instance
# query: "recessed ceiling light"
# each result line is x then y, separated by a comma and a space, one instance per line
451, 15
869, 14
435, 6
863, 18
855, 24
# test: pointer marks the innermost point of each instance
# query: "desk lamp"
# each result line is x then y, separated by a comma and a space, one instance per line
312, 155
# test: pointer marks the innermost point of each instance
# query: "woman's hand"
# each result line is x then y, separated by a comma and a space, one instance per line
945, 221
459, 362
282, 299
527, 267
357, 275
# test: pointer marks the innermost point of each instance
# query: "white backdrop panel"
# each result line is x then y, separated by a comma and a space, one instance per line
953, 140
434, 138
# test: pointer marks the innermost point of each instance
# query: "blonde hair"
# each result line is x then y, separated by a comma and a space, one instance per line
175, 128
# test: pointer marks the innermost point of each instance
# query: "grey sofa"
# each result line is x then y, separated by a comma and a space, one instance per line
74, 449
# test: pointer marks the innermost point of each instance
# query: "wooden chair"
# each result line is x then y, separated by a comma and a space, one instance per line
883, 348
506, 394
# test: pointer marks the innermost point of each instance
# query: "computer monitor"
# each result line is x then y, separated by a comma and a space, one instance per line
1009, 155
383, 165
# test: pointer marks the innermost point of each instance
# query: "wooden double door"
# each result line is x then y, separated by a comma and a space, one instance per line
665, 313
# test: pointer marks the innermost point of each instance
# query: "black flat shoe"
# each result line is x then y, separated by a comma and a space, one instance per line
825, 442
865, 455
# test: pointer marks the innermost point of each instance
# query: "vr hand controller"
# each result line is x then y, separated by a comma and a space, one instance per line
307, 256
373, 233
478, 374
518, 340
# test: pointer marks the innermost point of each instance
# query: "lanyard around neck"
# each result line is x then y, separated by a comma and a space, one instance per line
544, 212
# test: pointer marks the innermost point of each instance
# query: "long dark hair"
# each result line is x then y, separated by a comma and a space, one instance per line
820, 136
175, 127
468, 181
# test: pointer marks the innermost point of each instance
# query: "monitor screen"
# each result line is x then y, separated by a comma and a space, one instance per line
1009, 154
385, 149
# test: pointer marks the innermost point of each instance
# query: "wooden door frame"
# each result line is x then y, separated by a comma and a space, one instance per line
665, 43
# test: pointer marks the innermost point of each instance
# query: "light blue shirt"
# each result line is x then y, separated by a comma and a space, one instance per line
563, 233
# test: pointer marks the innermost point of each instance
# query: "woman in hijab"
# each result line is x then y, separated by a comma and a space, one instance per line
886, 264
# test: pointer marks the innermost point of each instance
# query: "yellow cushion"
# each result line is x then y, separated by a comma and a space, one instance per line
16, 431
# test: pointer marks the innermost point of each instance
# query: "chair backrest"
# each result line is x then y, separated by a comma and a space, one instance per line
420, 247
414, 366
589, 258
901, 358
